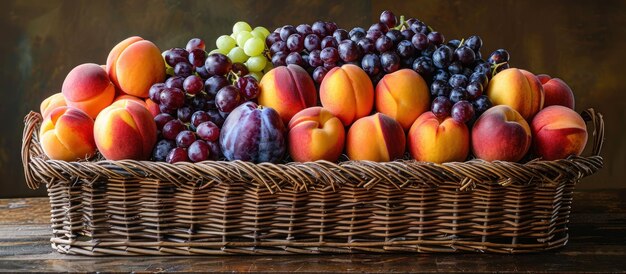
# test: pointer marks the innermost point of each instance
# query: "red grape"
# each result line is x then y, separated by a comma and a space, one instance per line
185, 138
388, 18
214, 84
198, 151
172, 98
178, 154
183, 69
218, 64
462, 111
184, 114
441, 107
197, 57
195, 43
172, 128
175, 55
286, 31
155, 91
278, 46
228, 98
161, 119
295, 42
248, 86
193, 84
208, 131
319, 73
175, 82
304, 29
198, 118
162, 149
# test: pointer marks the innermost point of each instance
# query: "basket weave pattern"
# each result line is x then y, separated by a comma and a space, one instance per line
155, 208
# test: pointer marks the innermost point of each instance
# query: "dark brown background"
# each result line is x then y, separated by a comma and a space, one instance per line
582, 42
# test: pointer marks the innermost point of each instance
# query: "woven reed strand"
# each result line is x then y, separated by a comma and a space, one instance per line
154, 208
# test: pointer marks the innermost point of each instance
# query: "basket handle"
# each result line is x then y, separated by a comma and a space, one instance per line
32, 121
597, 121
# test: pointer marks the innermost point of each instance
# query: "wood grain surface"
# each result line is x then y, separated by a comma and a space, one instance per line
597, 244
579, 41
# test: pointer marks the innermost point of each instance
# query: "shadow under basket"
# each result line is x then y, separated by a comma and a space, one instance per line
216, 207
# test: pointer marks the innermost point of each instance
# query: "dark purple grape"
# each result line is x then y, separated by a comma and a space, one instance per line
462, 111
455, 68
458, 81
441, 74
454, 43
481, 104
314, 59
272, 39
458, 94
184, 114
193, 84
373, 35
185, 138
442, 57
155, 91
319, 73
183, 69
312, 42
295, 59
198, 151
395, 36
178, 154
198, 118
407, 62
428, 52
424, 66
419, 27
197, 57
479, 78
357, 34
161, 119
295, 42
172, 128
378, 27
319, 28
202, 72
329, 66
328, 42
465, 55
500, 67
215, 117
164, 109
420, 41
390, 61
410, 21
348, 51
228, 98
287, 31
440, 88
218, 64
474, 89
175, 82
215, 151
240, 69
330, 27
278, 46
248, 86
371, 64
388, 18
407, 34
195, 43
208, 131
329, 55
214, 84
483, 68
174, 56
405, 49
383, 44
172, 98
340, 35
467, 72
278, 59
436, 38
441, 107
474, 42
304, 29
161, 149
498, 56
366, 46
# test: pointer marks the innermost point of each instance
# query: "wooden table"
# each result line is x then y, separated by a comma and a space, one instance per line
597, 243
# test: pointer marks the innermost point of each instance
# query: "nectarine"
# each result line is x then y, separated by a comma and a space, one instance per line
347, 92
558, 132
67, 134
377, 138
315, 134
403, 96
501, 133
433, 140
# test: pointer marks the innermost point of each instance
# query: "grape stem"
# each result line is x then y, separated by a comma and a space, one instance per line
496, 66
401, 25
232, 75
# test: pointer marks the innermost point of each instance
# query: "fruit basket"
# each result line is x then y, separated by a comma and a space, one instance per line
130, 207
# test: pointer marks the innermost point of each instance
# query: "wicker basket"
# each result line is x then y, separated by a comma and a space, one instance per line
154, 208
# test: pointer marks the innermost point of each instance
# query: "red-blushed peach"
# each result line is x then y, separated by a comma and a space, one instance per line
88, 88
67, 134
556, 91
147, 103
403, 96
558, 132
377, 138
518, 89
125, 130
501, 133
348, 93
287, 89
315, 134
134, 65
438, 141
50, 103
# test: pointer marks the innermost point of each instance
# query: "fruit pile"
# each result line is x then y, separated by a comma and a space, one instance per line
308, 93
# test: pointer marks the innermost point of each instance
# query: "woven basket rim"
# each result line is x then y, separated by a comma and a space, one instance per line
320, 174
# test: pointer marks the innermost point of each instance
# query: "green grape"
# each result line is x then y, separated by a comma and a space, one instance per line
225, 42
258, 34
254, 46
237, 55
242, 37
256, 63
256, 75
234, 36
263, 30
241, 26
222, 51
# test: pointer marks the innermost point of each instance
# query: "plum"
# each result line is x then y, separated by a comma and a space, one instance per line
253, 133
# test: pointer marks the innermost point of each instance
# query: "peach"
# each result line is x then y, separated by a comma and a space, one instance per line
377, 138
438, 141
518, 89
147, 103
50, 103
348, 93
88, 88
403, 96
558, 132
315, 134
501, 133
67, 134
125, 130
287, 89
556, 91
134, 65
152, 107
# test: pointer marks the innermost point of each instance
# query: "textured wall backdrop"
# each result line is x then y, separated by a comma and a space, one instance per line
582, 42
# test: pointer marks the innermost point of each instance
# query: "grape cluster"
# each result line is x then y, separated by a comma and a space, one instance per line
455, 71
195, 102
246, 46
